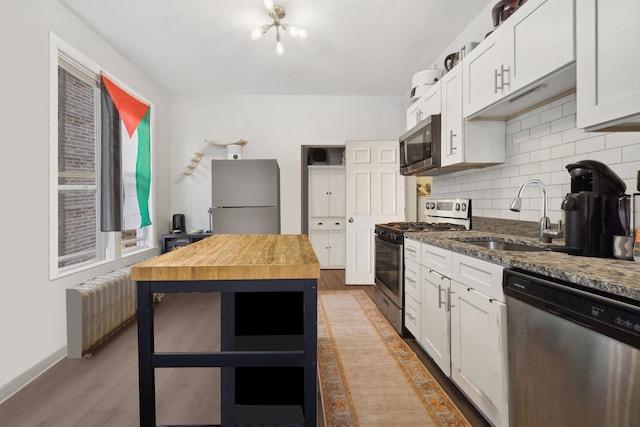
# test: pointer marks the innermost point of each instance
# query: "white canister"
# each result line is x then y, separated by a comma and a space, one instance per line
422, 80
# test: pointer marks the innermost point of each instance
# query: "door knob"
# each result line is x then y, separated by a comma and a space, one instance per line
350, 219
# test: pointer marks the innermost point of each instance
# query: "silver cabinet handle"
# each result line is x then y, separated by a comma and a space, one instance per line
409, 249
452, 149
440, 296
503, 70
410, 316
495, 81
449, 292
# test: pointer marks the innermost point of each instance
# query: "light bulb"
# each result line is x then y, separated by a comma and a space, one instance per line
256, 34
302, 33
279, 48
268, 4
294, 31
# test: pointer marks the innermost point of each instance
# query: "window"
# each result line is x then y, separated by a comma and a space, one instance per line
77, 191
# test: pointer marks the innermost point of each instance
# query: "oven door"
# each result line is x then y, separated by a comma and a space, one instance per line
389, 268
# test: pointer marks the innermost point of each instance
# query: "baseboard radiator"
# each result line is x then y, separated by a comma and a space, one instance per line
96, 309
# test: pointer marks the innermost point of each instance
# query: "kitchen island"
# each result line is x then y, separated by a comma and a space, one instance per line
249, 271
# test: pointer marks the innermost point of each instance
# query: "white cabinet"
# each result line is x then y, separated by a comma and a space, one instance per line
465, 143
463, 325
326, 193
436, 294
327, 236
426, 105
526, 60
479, 335
608, 65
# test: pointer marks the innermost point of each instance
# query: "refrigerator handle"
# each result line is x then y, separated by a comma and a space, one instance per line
211, 220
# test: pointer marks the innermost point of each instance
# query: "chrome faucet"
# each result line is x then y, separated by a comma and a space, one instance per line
546, 234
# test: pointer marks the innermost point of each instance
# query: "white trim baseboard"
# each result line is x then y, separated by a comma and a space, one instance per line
15, 385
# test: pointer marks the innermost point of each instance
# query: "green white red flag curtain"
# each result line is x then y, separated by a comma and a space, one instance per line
126, 159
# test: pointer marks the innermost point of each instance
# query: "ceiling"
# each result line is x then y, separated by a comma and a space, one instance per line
354, 47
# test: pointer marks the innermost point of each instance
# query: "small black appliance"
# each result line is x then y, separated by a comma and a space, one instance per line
592, 209
178, 224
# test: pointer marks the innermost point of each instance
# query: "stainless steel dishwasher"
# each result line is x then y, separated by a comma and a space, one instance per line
573, 356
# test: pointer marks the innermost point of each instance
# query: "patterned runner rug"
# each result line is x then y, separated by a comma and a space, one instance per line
369, 376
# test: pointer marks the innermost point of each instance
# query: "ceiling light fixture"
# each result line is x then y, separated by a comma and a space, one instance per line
277, 13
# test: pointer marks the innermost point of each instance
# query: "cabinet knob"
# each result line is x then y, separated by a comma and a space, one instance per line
350, 219
319, 223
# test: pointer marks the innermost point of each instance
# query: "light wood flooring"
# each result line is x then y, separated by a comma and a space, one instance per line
103, 391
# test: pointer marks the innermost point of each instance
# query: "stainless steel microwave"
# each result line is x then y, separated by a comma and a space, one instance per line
420, 147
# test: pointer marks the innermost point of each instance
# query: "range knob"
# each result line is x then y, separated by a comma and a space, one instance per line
464, 207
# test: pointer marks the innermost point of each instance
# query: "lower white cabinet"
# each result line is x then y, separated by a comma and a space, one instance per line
327, 236
478, 351
461, 320
434, 339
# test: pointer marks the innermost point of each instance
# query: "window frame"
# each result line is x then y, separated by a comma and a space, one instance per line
111, 247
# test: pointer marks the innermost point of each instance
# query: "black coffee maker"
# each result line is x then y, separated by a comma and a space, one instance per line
591, 210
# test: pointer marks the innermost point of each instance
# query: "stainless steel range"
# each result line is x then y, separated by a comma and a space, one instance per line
441, 215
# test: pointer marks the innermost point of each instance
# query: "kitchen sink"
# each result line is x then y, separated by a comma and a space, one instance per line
501, 245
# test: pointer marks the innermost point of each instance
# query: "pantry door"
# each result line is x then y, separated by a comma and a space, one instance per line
374, 194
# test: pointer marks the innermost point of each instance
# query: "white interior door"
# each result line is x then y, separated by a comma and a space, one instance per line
374, 194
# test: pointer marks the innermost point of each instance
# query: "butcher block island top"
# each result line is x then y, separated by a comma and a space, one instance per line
234, 257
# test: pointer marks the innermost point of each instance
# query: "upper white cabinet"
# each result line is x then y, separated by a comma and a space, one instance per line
608, 65
427, 105
529, 59
326, 191
464, 143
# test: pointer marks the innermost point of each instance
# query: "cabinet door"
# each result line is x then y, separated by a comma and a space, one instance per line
412, 316
412, 279
415, 113
318, 192
432, 100
452, 147
484, 70
336, 187
318, 240
478, 351
435, 318
608, 64
336, 247
537, 53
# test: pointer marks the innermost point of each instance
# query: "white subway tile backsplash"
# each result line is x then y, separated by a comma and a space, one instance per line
551, 114
539, 131
563, 123
607, 156
590, 144
540, 143
540, 155
621, 139
563, 150
530, 122
569, 108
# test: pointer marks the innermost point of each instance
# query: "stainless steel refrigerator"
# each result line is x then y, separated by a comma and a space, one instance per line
245, 196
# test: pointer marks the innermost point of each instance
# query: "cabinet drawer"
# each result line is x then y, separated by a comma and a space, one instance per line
437, 259
412, 279
326, 224
412, 250
412, 316
483, 276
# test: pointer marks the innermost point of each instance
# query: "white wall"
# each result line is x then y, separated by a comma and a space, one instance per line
540, 144
32, 308
275, 127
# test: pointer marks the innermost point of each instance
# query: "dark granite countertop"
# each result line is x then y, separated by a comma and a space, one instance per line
618, 277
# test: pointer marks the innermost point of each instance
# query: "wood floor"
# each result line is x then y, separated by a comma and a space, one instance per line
103, 391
